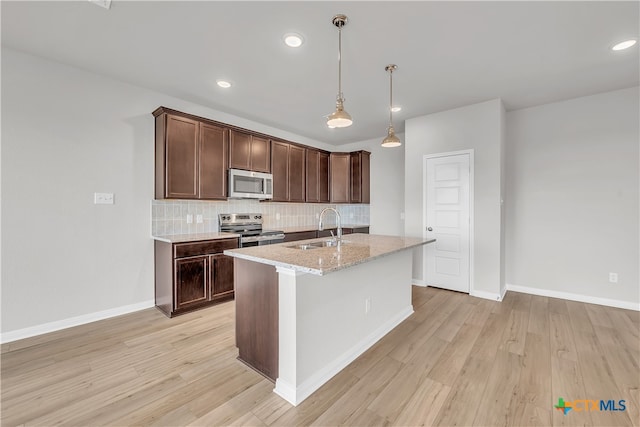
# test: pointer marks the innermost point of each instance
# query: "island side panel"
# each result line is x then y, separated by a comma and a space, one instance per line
256, 294
328, 323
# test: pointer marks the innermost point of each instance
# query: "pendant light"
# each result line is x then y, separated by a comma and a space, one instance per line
339, 118
391, 139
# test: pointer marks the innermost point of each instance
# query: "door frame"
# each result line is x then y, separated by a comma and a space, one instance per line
470, 152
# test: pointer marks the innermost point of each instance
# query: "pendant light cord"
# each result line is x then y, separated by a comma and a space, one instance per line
340, 62
390, 97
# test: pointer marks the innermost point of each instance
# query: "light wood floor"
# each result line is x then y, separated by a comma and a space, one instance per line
457, 360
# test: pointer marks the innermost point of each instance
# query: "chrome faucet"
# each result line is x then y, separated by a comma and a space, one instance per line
321, 227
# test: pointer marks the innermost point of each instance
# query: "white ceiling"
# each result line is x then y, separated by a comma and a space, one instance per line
449, 54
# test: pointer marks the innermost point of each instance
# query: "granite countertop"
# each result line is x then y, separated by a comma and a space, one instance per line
195, 237
356, 249
303, 228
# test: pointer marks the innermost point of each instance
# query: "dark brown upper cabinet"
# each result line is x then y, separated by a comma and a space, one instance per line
323, 178
280, 171
360, 177
249, 152
288, 169
214, 147
193, 155
350, 176
191, 158
317, 176
296, 173
340, 166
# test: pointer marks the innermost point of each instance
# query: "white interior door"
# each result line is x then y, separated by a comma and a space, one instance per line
448, 221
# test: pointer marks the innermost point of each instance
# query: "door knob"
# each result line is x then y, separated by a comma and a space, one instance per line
429, 229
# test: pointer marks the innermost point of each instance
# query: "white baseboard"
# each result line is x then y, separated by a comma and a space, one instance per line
285, 391
628, 305
486, 295
44, 328
295, 395
419, 282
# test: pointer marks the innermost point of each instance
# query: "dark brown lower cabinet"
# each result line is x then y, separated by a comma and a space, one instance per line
191, 282
222, 275
299, 235
189, 276
304, 235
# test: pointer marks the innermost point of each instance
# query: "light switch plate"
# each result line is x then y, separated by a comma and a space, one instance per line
103, 198
199, 219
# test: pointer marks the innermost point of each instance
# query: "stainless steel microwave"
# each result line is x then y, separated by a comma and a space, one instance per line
250, 185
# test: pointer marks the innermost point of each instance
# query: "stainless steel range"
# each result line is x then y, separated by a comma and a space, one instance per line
249, 226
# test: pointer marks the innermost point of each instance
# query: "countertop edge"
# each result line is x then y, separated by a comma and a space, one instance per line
323, 272
200, 237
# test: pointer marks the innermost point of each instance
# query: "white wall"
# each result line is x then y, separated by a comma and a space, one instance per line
387, 185
477, 127
66, 134
572, 187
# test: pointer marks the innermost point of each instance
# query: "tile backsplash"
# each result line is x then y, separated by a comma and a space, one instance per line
169, 217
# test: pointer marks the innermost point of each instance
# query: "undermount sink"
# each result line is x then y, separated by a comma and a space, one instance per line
316, 245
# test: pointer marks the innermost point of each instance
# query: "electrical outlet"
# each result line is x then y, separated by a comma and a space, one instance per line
367, 305
103, 198
277, 216
189, 219
613, 277
199, 219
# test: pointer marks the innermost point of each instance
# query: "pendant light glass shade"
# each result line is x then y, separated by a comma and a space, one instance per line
391, 140
339, 118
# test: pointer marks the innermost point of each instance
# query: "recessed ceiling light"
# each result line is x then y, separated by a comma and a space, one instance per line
396, 108
624, 45
293, 39
223, 84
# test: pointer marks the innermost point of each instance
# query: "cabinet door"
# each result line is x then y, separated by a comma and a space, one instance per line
366, 177
300, 235
312, 162
260, 154
296, 174
356, 177
360, 176
221, 276
213, 162
181, 147
339, 164
280, 171
240, 150
191, 282
323, 178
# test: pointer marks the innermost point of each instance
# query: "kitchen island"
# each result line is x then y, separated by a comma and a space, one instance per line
305, 310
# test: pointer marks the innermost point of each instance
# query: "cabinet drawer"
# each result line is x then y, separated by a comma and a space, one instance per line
182, 250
